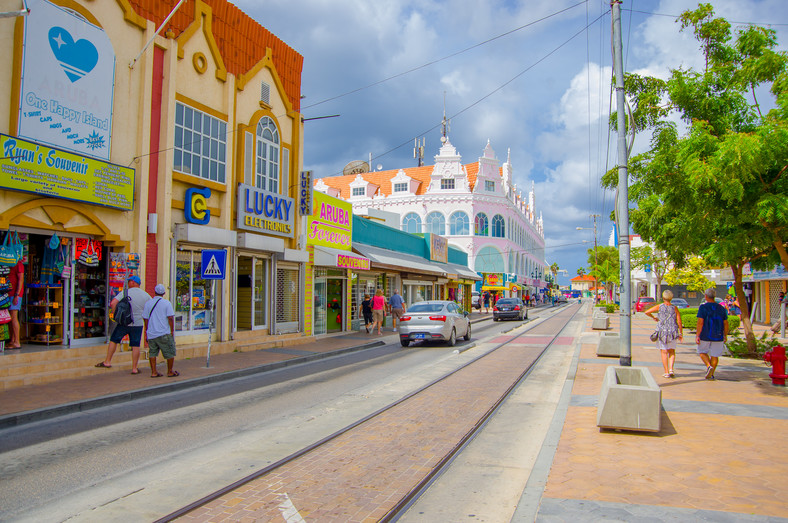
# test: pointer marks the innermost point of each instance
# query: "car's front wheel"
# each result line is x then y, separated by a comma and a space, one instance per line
452, 338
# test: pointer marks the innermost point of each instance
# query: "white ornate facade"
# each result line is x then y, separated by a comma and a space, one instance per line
476, 206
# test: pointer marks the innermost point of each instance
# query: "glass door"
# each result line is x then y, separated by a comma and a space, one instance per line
260, 292
320, 307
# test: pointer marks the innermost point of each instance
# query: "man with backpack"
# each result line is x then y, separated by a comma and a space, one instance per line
712, 332
127, 309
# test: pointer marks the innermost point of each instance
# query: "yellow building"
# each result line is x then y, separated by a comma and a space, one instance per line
127, 131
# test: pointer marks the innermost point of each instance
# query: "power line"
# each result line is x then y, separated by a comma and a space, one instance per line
452, 55
762, 24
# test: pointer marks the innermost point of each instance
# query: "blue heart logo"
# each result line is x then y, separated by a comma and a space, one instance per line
76, 58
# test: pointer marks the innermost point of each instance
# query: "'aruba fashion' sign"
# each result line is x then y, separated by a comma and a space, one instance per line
67, 84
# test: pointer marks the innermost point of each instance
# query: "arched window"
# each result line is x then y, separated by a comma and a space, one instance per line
411, 222
435, 223
498, 226
488, 259
267, 165
480, 225
459, 224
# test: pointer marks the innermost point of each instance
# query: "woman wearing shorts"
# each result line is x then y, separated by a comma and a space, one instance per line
669, 329
378, 310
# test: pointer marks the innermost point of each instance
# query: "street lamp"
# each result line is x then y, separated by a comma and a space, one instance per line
596, 262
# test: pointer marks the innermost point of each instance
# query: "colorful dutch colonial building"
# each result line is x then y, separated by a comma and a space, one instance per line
476, 206
145, 139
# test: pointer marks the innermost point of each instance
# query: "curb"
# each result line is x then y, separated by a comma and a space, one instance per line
31, 416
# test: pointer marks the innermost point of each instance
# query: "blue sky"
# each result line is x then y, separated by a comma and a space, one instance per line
532, 77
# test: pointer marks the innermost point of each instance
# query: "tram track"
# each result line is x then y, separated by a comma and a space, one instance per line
276, 494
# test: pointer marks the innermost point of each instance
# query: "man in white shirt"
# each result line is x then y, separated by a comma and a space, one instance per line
159, 317
138, 299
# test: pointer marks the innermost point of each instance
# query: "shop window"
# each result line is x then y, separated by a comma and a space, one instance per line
192, 294
435, 223
267, 161
200, 144
480, 225
498, 226
459, 224
411, 223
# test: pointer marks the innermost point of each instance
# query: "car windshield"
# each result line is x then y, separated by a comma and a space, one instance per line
679, 301
426, 307
643, 300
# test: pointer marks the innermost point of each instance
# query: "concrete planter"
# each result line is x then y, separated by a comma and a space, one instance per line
630, 399
600, 322
609, 344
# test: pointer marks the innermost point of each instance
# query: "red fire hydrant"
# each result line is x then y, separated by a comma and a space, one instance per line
776, 356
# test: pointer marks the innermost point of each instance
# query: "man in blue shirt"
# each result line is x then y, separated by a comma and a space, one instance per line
397, 305
712, 332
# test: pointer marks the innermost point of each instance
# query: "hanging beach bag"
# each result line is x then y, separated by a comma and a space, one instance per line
5, 317
8, 251
5, 300
88, 256
60, 262
54, 241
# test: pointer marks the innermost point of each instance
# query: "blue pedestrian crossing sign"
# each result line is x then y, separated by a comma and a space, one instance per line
214, 264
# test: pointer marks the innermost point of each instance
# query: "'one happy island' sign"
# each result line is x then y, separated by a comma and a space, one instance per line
67, 82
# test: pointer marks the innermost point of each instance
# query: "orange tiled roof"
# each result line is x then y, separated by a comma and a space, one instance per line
584, 277
383, 179
241, 40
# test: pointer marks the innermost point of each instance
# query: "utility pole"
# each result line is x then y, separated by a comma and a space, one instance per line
625, 310
596, 262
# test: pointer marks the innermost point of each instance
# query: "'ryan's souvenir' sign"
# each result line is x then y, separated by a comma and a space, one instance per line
38, 169
331, 222
265, 212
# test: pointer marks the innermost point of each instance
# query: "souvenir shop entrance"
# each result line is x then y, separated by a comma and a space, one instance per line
329, 293
68, 282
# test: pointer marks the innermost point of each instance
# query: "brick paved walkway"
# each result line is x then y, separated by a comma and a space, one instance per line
711, 456
363, 474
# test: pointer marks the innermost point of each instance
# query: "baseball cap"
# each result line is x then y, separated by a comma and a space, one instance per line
160, 289
135, 279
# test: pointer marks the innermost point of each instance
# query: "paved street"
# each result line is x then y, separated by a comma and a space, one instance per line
710, 462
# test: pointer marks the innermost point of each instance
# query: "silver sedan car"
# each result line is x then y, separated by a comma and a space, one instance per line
434, 320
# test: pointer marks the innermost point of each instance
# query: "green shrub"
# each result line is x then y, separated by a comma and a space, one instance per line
689, 319
737, 345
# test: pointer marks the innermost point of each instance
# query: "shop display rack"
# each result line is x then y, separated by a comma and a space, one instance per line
44, 314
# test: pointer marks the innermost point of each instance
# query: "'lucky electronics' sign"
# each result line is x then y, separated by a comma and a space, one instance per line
265, 212
330, 224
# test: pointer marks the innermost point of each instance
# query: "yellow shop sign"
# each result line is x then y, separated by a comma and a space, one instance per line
35, 168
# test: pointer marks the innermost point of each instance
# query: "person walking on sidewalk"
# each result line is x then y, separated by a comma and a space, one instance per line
712, 332
366, 311
397, 305
669, 329
138, 298
378, 310
159, 318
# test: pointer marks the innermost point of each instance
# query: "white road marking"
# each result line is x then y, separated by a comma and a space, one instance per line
288, 510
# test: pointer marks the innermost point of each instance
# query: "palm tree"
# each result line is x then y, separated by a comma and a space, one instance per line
581, 271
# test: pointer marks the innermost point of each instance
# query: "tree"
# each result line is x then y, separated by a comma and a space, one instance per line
656, 260
720, 191
581, 271
604, 267
690, 275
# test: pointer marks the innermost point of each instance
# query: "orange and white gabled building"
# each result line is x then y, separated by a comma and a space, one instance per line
476, 206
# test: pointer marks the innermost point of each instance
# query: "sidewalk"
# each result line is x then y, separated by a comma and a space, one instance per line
35, 402
719, 456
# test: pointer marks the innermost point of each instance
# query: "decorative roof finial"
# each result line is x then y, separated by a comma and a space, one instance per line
445, 124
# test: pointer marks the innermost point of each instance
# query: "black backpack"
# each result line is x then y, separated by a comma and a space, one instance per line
123, 313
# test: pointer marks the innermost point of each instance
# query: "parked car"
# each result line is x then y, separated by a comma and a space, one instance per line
509, 309
644, 303
681, 303
436, 320
560, 298
475, 300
